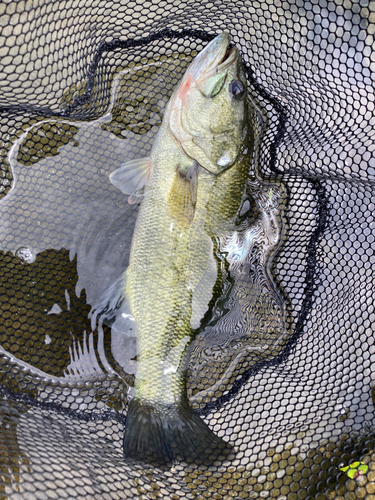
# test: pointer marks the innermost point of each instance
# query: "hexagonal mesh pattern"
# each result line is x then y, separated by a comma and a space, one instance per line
84, 86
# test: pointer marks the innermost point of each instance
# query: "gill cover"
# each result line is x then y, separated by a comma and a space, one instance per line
208, 112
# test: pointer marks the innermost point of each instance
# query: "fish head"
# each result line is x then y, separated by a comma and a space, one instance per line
209, 110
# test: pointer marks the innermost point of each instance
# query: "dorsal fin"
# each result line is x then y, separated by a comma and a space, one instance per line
183, 195
132, 176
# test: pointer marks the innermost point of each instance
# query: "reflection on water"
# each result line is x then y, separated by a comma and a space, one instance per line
47, 349
65, 235
248, 321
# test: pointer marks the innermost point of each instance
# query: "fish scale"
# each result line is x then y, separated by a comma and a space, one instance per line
193, 184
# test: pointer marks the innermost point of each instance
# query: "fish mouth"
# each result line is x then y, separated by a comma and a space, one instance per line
223, 61
217, 56
229, 58
216, 64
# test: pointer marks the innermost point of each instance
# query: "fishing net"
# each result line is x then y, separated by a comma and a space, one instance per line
84, 86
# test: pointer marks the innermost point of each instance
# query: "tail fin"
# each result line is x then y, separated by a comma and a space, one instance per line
158, 434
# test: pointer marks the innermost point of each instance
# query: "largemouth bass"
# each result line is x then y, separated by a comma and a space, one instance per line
191, 189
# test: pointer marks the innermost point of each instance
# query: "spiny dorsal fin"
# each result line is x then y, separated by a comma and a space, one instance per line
132, 177
183, 195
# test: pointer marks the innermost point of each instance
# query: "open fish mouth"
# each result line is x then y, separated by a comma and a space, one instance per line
212, 68
230, 58
224, 63
216, 57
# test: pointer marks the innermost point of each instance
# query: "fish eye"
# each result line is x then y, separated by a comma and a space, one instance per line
237, 89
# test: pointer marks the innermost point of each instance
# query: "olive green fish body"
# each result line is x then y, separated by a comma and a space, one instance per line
194, 183
158, 278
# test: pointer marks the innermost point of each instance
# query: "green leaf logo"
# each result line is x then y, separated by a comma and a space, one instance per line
356, 469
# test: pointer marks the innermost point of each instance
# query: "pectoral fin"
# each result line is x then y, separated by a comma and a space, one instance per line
183, 195
132, 177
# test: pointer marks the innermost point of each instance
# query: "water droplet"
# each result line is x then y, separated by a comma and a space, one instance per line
26, 255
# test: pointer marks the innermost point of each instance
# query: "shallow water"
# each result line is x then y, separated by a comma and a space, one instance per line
67, 230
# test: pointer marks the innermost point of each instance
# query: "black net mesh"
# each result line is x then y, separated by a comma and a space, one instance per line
84, 85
